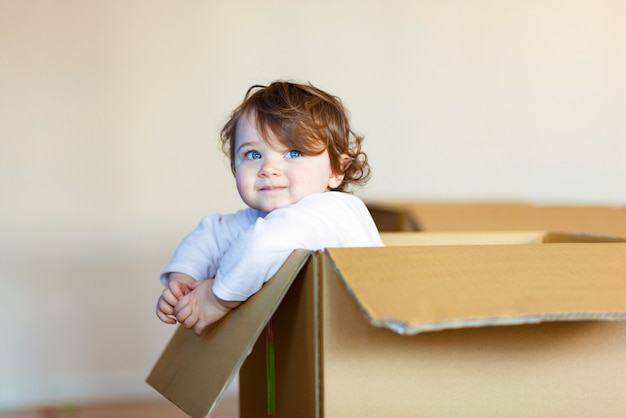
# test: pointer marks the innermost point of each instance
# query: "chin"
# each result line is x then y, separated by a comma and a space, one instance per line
270, 204
272, 207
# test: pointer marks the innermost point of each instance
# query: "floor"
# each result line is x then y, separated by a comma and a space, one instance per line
228, 408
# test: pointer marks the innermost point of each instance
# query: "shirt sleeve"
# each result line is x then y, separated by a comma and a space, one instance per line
254, 257
201, 251
330, 219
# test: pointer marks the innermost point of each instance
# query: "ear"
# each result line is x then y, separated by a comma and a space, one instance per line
337, 178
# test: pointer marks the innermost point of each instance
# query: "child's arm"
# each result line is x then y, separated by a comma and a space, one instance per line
200, 307
177, 288
319, 220
200, 252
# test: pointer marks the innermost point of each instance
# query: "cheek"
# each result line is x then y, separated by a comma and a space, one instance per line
241, 180
241, 177
326, 170
319, 176
244, 189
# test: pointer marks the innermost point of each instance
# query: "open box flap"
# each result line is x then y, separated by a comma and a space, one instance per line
490, 238
194, 372
497, 216
413, 289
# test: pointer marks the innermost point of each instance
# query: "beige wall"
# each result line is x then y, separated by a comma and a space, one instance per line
109, 116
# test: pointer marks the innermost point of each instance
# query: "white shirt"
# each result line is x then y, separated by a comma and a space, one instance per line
243, 250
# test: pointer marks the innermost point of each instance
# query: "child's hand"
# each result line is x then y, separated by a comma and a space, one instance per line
176, 289
200, 307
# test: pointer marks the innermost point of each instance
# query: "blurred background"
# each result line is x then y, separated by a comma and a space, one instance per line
110, 113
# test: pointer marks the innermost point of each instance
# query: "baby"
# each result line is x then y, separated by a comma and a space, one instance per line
294, 157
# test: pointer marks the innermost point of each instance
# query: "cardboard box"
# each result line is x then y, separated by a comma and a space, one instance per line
434, 325
502, 216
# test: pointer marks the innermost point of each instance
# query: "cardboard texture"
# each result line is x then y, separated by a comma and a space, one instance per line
343, 318
193, 372
503, 216
469, 286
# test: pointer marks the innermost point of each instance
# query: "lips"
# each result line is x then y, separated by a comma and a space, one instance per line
272, 188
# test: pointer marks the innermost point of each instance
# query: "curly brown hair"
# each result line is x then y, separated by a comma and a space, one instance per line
304, 118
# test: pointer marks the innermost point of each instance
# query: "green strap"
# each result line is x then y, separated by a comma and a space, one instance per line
270, 367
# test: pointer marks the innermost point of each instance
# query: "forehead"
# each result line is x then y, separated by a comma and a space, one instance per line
248, 132
246, 128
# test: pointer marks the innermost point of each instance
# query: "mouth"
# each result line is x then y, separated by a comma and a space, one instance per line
272, 188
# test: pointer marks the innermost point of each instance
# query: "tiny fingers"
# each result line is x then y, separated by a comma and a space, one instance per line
165, 318
163, 312
169, 297
178, 289
164, 306
190, 321
193, 285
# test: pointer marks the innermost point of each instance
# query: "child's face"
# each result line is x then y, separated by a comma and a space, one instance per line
272, 176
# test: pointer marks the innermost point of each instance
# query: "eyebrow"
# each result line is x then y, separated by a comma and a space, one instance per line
246, 144
258, 143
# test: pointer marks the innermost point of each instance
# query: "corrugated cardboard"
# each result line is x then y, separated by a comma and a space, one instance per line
502, 216
342, 332
193, 372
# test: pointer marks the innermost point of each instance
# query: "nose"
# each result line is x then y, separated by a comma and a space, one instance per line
270, 168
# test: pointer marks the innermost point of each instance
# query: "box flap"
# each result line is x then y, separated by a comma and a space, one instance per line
465, 238
497, 216
193, 372
490, 238
412, 289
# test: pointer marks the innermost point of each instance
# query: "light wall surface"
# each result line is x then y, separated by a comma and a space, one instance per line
110, 113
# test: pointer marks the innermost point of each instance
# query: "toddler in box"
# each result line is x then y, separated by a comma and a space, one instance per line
295, 158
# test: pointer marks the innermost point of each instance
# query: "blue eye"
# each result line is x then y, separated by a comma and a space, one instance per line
252, 155
294, 154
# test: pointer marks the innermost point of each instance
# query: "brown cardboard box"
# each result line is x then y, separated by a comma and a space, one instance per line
434, 325
502, 216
